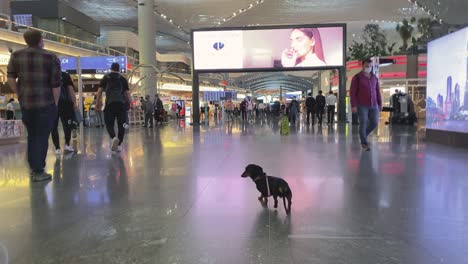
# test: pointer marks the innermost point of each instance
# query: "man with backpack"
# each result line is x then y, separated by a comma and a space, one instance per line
117, 94
366, 101
320, 101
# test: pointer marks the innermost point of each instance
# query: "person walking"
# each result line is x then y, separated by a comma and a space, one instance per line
366, 101
34, 75
229, 110
320, 101
149, 112
331, 102
202, 113
243, 108
66, 113
261, 110
207, 112
310, 108
10, 109
293, 111
98, 113
117, 95
250, 109
158, 109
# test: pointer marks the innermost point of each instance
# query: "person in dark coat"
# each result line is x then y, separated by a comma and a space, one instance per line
320, 103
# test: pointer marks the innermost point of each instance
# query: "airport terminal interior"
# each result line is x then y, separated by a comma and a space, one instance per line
232, 105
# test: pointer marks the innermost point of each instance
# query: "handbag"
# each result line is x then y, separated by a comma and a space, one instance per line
284, 126
78, 116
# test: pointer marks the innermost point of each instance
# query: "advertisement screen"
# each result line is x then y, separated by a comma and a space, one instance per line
301, 47
447, 83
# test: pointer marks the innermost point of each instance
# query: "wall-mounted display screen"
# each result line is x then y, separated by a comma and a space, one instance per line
305, 47
23, 19
447, 83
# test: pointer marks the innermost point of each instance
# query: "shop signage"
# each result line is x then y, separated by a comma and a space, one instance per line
99, 64
4, 59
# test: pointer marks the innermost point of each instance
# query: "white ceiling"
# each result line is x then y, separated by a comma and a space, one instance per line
191, 14
451, 11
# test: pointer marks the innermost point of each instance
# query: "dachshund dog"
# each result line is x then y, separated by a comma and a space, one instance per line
269, 186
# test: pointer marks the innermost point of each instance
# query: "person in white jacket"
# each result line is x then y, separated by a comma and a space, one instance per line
331, 102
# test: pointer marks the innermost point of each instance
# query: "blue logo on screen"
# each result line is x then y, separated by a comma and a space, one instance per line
218, 46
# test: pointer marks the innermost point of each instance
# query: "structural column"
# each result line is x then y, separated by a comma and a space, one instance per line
342, 95
319, 87
147, 42
195, 97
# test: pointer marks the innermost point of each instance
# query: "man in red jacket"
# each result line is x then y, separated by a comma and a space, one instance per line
366, 100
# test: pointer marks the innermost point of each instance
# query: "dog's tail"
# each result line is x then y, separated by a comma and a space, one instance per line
287, 194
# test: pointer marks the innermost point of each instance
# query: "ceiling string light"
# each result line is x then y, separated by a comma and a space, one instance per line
165, 17
240, 11
433, 15
383, 21
170, 21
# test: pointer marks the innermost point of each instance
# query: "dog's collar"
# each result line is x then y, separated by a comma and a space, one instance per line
257, 179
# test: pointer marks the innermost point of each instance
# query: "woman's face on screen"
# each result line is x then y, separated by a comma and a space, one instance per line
301, 43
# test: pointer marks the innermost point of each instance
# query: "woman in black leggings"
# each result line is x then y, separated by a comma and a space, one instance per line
66, 113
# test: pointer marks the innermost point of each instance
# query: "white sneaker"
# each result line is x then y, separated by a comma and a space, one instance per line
58, 152
114, 144
119, 149
126, 126
69, 148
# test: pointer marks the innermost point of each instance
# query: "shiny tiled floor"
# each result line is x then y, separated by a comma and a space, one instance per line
175, 195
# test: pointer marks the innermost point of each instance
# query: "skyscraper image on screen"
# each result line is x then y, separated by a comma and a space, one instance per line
447, 83
465, 101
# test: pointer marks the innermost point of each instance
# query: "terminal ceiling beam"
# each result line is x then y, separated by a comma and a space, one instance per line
293, 83
273, 87
296, 83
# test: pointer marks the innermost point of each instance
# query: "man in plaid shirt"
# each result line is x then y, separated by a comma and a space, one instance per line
34, 75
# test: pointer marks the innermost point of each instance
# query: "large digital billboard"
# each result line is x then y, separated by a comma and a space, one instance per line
302, 47
447, 83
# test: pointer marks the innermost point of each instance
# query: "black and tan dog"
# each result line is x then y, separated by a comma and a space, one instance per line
277, 186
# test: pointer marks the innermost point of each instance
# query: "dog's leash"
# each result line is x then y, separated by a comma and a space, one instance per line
268, 185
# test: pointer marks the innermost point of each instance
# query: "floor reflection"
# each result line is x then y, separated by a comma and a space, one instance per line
175, 195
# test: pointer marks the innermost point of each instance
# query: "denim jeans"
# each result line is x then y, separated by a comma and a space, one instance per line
39, 123
368, 121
